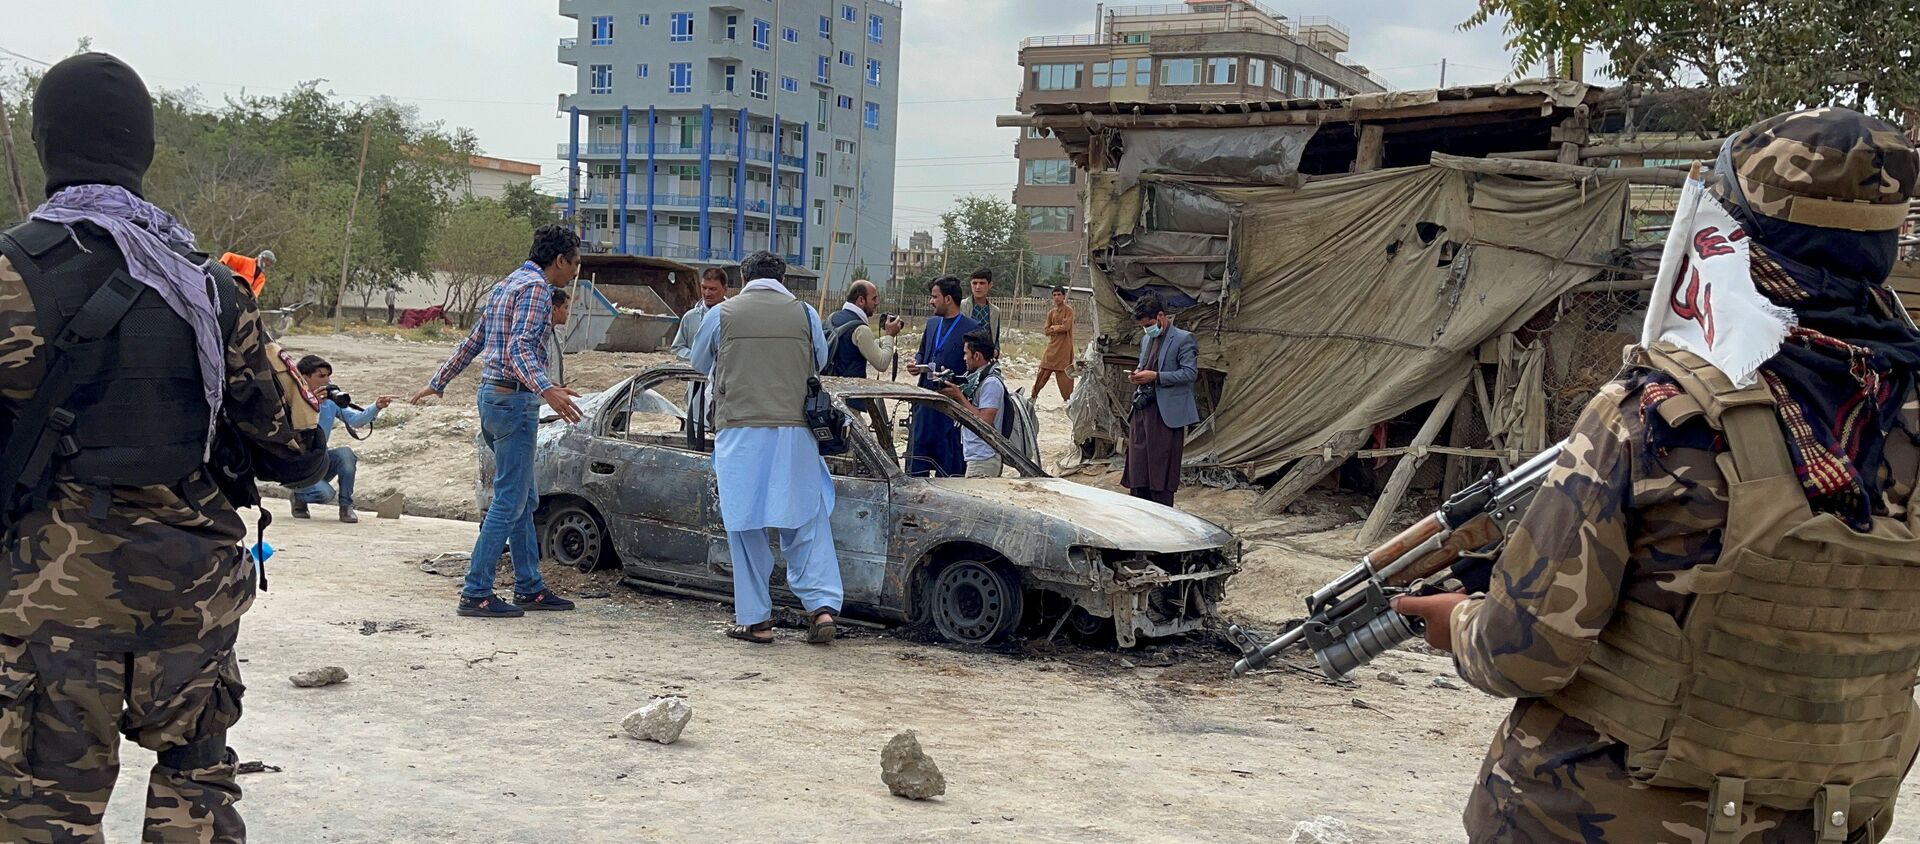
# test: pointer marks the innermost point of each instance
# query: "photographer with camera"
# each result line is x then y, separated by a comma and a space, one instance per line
984, 394
342, 463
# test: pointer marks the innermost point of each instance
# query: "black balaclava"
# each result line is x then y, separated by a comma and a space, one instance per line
93, 124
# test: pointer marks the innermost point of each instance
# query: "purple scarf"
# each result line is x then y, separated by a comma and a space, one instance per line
142, 231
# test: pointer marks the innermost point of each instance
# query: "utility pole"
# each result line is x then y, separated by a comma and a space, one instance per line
1443, 72
353, 207
13, 161
827, 279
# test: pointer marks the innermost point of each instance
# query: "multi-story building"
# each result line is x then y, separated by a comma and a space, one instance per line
489, 177
1199, 52
916, 257
705, 131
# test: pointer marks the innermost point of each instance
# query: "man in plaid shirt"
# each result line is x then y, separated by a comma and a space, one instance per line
511, 341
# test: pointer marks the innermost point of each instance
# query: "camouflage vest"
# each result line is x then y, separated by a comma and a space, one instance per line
1789, 681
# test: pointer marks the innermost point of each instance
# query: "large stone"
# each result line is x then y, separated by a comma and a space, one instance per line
661, 720
908, 771
319, 677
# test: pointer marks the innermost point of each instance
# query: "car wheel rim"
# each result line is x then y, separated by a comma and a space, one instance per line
576, 539
972, 603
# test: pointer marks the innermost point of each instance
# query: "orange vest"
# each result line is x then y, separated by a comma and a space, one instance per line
248, 269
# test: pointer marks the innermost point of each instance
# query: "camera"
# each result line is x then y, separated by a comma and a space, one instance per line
887, 319
338, 396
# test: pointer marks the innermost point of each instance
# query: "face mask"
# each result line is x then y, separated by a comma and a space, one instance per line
1153, 331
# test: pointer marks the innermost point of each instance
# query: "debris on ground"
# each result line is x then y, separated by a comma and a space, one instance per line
660, 721
1391, 678
1445, 682
256, 767
319, 677
1321, 830
908, 771
450, 564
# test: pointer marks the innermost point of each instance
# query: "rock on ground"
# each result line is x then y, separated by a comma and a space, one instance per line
1445, 682
319, 677
661, 720
908, 771
1390, 677
1321, 830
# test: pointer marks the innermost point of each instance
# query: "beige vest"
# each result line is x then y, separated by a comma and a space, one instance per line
762, 361
1789, 683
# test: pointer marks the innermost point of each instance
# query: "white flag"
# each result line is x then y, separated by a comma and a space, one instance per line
1704, 299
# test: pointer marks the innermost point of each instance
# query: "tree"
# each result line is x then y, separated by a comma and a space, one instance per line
536, 207
861, 273
479, 243
1753, 59
981, 231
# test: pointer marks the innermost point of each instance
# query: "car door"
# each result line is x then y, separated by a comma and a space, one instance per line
661, 488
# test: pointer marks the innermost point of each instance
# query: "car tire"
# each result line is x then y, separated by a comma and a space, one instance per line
974, 603
575, 536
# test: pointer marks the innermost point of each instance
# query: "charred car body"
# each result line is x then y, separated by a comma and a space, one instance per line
633, 483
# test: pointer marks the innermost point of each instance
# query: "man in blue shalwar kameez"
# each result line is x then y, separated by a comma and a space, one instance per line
758, 350
933, 441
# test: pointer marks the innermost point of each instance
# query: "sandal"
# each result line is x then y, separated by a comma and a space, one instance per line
822, 632
746, 633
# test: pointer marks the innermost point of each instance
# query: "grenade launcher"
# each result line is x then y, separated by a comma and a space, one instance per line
1349, 621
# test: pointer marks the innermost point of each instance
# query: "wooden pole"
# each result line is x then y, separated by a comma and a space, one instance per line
1308, 470
1372, 149
1554, 170
353, 208
826, 280
13, 161
1376, 525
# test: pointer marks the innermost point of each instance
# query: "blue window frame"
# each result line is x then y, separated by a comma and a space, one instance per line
876, 29
680, 78
873, 116
762, 31
826, 27
846, 58
757, 85
602, 31
845, 102
682, 27
646, 20
873, 72
789, 84
602, 82
643, 71
826, 67
789, 35
848, 14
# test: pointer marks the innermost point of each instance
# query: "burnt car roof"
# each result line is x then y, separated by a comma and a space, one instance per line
855, 387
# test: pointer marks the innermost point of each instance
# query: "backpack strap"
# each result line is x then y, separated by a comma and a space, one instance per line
40, 430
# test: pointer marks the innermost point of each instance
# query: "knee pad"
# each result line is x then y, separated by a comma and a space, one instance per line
204, 752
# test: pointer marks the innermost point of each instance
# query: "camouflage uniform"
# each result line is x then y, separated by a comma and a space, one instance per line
120, 616
1627, 516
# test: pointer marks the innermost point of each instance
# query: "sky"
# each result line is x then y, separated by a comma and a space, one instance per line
489, 65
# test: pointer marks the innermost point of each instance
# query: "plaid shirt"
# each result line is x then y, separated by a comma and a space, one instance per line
511, 336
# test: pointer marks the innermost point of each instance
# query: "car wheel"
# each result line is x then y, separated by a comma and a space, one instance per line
1089, 629
975, 603
575, 537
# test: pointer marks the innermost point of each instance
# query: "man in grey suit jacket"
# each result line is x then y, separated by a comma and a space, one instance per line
1163, 404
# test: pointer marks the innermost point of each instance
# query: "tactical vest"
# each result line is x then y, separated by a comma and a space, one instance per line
1789, 681
136, 414
763, 360
844, 358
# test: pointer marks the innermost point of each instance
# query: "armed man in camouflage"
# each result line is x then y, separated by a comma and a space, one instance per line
120, 356
1711, 613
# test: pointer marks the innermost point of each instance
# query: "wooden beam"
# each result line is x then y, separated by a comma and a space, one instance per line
1555, 170
1615, 286
1649, 149
1376, 525
1308, 470
1372, 151
1171, 259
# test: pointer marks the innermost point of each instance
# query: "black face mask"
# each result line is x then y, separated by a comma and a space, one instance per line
93, 124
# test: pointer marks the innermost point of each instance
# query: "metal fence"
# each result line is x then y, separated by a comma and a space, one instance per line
1584, 344
1027, 313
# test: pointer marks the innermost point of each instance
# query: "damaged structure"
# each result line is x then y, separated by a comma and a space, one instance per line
1385, 276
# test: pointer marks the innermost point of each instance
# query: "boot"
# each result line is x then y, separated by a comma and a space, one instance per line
300, 510
346, 515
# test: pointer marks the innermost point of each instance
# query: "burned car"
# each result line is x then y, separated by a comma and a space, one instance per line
632, 484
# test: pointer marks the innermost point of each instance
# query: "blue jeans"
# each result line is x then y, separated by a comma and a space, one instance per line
342, 463
507, 423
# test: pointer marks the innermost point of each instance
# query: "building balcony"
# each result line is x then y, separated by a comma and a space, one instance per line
599, 200
570, 8
720, 151
570, 51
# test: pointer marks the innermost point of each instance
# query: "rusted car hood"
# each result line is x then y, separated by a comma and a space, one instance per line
1108, 519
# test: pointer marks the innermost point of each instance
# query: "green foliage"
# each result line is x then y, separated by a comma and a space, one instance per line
479, 244
536, 207
1754, 59
982, 231
861, 273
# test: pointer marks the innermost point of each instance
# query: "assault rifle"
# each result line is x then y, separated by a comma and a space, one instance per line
1349, 621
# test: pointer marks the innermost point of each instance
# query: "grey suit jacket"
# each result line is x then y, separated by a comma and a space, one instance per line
1179, 367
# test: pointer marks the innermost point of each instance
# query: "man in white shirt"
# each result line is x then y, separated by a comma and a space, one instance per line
983, 394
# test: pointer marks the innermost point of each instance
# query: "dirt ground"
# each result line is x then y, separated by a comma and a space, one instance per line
507, 730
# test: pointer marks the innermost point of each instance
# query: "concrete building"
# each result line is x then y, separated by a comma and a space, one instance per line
916, 257
702, 132
489, 178
1198, 52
